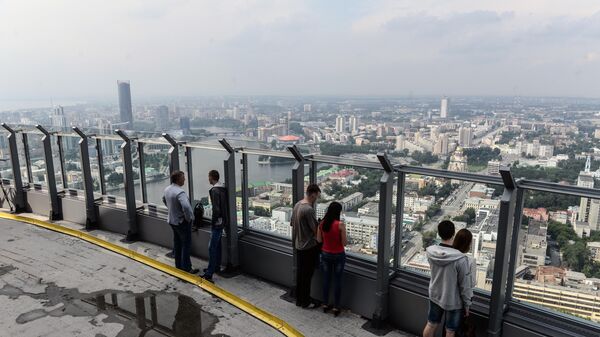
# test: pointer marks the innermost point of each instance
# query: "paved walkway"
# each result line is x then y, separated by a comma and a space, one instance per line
38, 264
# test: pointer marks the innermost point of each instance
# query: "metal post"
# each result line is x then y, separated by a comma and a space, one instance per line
297, 174
140, 147
514, 242
88, 186
190, 170
20, 201
231, 228
245, 194
61, 159
297, 195
132, 232
312, 179
27, 158
55, 207
173, 153
386, 188
505, 225
100, 154
399, 217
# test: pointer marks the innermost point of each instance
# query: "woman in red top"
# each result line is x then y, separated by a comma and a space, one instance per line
332, 233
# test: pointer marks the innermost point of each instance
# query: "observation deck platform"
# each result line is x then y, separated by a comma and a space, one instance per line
52, 284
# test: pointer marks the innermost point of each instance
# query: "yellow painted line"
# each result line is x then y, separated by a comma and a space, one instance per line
219, 292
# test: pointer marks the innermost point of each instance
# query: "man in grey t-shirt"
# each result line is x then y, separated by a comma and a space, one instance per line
304, 241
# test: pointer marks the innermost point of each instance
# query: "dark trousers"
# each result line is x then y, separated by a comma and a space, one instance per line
332, 264
182, 243
306, 261
214, 251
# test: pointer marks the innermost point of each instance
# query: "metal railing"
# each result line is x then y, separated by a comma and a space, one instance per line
510, 209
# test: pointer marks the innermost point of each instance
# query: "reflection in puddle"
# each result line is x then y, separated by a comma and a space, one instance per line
147, 314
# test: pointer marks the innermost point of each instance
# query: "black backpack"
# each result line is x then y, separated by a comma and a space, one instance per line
198, 214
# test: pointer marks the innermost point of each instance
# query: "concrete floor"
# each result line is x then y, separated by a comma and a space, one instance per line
44, 276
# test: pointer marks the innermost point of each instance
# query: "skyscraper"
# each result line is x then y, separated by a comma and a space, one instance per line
106, 128
58, 118
353, 124
339, 124
465, 136
125, 110
444, 107
162, 117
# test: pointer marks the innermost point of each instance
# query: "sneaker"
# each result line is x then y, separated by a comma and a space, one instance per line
170, 255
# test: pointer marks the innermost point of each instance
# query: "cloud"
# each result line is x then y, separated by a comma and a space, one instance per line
183, 47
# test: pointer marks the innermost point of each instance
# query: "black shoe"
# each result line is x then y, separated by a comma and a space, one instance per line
336, 312
194, 271
170, 255
208, 278
326, 308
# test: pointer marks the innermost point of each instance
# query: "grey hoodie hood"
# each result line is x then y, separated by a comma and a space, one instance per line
442, 256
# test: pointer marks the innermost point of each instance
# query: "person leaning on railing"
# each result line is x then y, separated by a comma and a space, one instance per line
332, 233
181, 216
304, 241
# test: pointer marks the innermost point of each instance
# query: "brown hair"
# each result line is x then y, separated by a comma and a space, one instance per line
176, 175
313, 189
462, 240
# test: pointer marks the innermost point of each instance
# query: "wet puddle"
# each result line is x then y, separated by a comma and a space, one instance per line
146, 314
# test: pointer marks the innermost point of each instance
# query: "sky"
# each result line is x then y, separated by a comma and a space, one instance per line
79, 49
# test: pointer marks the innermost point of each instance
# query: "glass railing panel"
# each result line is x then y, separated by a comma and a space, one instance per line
56, 162
270, 194
113, 167
557, 264
203, 161
38, 162
156, 168
72, 158
357, 189
473, 206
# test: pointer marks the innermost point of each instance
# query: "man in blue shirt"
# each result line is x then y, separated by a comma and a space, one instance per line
181, 216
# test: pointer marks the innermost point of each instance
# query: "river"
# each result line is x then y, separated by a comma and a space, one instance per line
206, 160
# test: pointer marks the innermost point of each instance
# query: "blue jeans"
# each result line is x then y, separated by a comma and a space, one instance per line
182, 242
332, 264
453, 317
214, 251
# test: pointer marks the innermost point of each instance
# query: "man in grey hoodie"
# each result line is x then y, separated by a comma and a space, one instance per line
450, 288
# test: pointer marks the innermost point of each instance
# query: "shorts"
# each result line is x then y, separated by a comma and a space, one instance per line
453, 317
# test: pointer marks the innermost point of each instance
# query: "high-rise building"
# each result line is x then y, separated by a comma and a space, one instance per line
400, 144
125, 110
444, 107
339, 124
58, 118
441, 145
162, 117
465, 136
353, 124
106, 128
184, 124
307, 107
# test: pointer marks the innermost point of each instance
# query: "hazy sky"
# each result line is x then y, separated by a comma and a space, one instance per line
75, 48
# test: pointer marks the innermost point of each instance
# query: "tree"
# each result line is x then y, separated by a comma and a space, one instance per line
576, 256
468, 216
261, 211
429, 238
